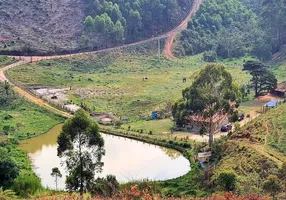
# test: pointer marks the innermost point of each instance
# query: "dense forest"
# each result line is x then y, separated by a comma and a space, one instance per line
229, 28
124, 21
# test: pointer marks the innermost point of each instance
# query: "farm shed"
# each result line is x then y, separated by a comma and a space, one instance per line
270, 104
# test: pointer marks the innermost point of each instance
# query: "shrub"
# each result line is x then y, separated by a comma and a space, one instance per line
236, 126
226, 181
210, 56
8, 169
26, 184
235, 116
272, 186
105, 187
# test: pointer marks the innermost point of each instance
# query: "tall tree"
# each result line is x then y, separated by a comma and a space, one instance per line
83, 147
262, 79
57, 174
208, 100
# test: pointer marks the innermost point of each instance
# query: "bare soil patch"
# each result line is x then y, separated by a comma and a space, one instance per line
40, 26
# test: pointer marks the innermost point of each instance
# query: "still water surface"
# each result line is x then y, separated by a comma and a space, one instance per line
125, 158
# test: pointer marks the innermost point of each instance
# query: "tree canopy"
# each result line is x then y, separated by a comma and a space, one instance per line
232, 29
129, 20
208, 100
262, 79
83, 147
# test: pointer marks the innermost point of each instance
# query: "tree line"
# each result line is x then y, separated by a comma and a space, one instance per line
230, 29
125, 21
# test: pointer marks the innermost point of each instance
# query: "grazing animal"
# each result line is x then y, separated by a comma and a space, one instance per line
184, 80
145, 79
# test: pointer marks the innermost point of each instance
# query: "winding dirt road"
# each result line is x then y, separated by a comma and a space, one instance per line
27, 95
184, 25
170, 35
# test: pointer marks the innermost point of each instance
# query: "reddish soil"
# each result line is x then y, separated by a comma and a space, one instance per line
167, 50
268, 97
170, 40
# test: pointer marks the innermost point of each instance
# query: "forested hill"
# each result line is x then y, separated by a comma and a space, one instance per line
110, 22
52, 27
233, 28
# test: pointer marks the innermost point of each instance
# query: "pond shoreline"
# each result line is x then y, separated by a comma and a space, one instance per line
43, 148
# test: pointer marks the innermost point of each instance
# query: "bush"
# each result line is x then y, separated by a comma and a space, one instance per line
235, 116
26, 184
210, 56
226, 181
236, 126
105, 187
272, 185
8, 169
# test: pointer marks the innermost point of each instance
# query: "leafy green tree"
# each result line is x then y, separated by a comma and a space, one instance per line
57, 174
83, 147
88, 24
272, 185
118, 32
9, 169
207, 101
226, 181
262, 79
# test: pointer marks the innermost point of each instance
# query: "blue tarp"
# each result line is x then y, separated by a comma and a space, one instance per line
154, 115
272, 103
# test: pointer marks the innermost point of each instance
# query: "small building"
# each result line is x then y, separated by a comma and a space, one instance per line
203, 158
280, 90
269, 105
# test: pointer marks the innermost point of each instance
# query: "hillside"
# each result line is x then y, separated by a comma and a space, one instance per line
57, 27
256, 151
40, 26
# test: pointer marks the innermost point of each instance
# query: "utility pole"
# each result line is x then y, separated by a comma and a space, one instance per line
159, 51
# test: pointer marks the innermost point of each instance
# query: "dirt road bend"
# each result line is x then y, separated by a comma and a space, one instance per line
27, 95
184, 25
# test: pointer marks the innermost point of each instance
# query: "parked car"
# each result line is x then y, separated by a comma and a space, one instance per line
241, 117
226, 128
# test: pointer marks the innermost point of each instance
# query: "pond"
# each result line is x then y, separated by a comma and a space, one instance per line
127, 159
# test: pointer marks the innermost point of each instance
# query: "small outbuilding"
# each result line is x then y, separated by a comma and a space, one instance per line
270, 104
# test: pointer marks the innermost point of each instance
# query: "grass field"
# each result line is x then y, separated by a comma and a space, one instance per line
5, 60
113, 82
21, 119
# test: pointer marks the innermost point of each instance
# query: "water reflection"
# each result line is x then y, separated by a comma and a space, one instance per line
125, 158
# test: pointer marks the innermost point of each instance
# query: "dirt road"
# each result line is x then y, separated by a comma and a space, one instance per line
184, 25
26, 94
170, 35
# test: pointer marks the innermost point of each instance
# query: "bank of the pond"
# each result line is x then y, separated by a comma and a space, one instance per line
126, 158
184, 147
